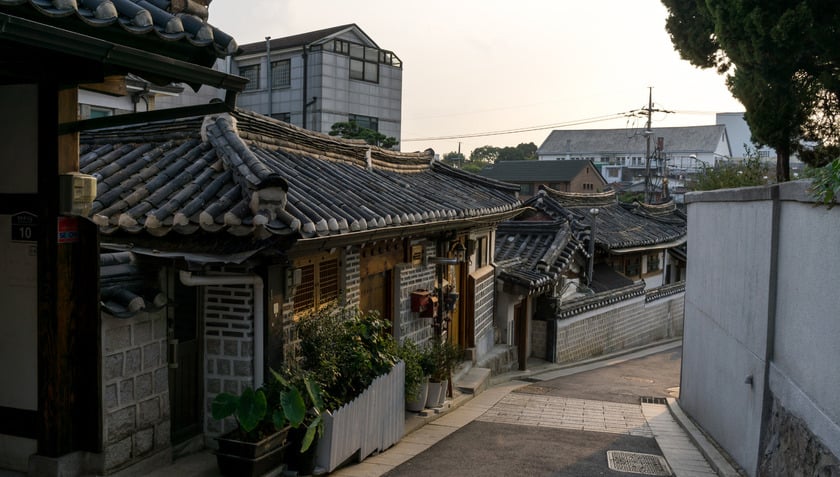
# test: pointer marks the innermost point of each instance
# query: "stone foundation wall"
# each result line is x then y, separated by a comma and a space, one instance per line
135, 389
790, 448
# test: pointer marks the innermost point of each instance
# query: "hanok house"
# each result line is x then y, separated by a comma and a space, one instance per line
250, 223
622, 289
569, 176
51, 417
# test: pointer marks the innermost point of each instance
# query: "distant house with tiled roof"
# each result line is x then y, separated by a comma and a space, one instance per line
620, 153
570, 176
323, 77
570, 262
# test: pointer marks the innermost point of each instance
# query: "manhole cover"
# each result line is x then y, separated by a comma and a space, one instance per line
636, 463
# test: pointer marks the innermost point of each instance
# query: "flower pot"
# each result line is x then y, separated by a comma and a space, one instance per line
435, 390
444, 386
417, 402
302, 462
242, 458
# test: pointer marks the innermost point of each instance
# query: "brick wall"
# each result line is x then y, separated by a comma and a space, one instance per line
484, 300
411, 278
228, 345
622, 325
352, 276
135, 388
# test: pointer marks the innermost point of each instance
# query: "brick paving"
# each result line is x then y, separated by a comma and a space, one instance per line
569, 413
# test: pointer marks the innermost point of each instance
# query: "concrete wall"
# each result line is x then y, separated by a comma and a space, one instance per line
760, 314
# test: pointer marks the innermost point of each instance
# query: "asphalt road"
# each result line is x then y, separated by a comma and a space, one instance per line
483, 449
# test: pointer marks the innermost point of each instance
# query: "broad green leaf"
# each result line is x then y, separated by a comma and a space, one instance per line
224, 405
315, 394
278, 418
293, 406
309, 437
252, 407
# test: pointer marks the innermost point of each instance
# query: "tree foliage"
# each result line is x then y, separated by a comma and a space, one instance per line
486, 154
750, 172
454, 158
351, 130
781, 59
491, 154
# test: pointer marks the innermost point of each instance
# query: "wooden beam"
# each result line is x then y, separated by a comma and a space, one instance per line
113, 85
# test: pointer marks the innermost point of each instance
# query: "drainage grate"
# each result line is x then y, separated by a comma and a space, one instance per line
654, 400
636, 463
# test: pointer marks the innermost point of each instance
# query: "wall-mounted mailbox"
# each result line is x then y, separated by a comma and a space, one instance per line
76, 193
424, 303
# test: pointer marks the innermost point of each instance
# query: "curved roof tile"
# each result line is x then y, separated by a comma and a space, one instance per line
171, 21
248, 174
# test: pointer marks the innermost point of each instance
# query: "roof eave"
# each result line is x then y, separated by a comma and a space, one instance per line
40, 35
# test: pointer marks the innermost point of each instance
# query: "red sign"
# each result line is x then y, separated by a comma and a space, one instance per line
68, 230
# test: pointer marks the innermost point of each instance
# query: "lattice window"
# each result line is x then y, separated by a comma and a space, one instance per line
319, 285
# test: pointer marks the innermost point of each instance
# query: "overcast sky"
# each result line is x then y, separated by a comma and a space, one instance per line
473, 67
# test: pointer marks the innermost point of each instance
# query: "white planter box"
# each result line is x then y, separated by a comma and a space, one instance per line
374, 421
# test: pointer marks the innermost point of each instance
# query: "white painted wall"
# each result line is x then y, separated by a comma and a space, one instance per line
743, 317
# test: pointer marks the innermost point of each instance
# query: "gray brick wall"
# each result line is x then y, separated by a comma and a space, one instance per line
624, 325
411, 278
484, 296
352, 276
228, 346
135, 388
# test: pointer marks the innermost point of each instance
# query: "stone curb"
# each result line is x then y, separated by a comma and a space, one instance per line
719, 463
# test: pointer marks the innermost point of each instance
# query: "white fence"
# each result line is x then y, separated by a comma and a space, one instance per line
375, 420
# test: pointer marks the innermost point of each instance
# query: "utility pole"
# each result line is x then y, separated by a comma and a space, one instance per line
648, 134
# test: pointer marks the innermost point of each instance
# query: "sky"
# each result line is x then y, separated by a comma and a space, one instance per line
474, 69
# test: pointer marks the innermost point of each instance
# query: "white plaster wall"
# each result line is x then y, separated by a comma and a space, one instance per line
18, 321
805, 374
726, 306
736, 304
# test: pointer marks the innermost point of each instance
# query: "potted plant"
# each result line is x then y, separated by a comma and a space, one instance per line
298, 392
259, 440
443, 356
416, 377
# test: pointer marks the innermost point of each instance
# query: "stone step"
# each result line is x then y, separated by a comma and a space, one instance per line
474, 381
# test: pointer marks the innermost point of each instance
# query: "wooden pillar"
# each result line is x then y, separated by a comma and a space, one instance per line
68, 272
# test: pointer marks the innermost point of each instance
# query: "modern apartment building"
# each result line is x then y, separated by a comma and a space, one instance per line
317, 79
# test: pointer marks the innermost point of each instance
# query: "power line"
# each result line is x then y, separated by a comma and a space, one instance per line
521, 130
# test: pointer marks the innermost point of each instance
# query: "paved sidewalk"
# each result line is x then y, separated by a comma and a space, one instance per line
688, 455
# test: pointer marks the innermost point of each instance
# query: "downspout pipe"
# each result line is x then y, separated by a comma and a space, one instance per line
190, 280
305, 81
270, 73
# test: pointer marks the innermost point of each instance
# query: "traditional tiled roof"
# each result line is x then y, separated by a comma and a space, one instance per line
125, 288
612, 141
249, 175
132, 22
535, 171
535, 254
621, 226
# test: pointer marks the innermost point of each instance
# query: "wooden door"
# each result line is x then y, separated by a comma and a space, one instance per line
375, 295
184, 354
520, 333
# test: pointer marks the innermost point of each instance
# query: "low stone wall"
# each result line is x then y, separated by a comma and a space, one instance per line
601, 327
792, 449
135, 389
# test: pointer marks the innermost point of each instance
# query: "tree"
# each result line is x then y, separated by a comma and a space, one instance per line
751, 172
487, 154
351, 130
454, 158
781, 61
522, 152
